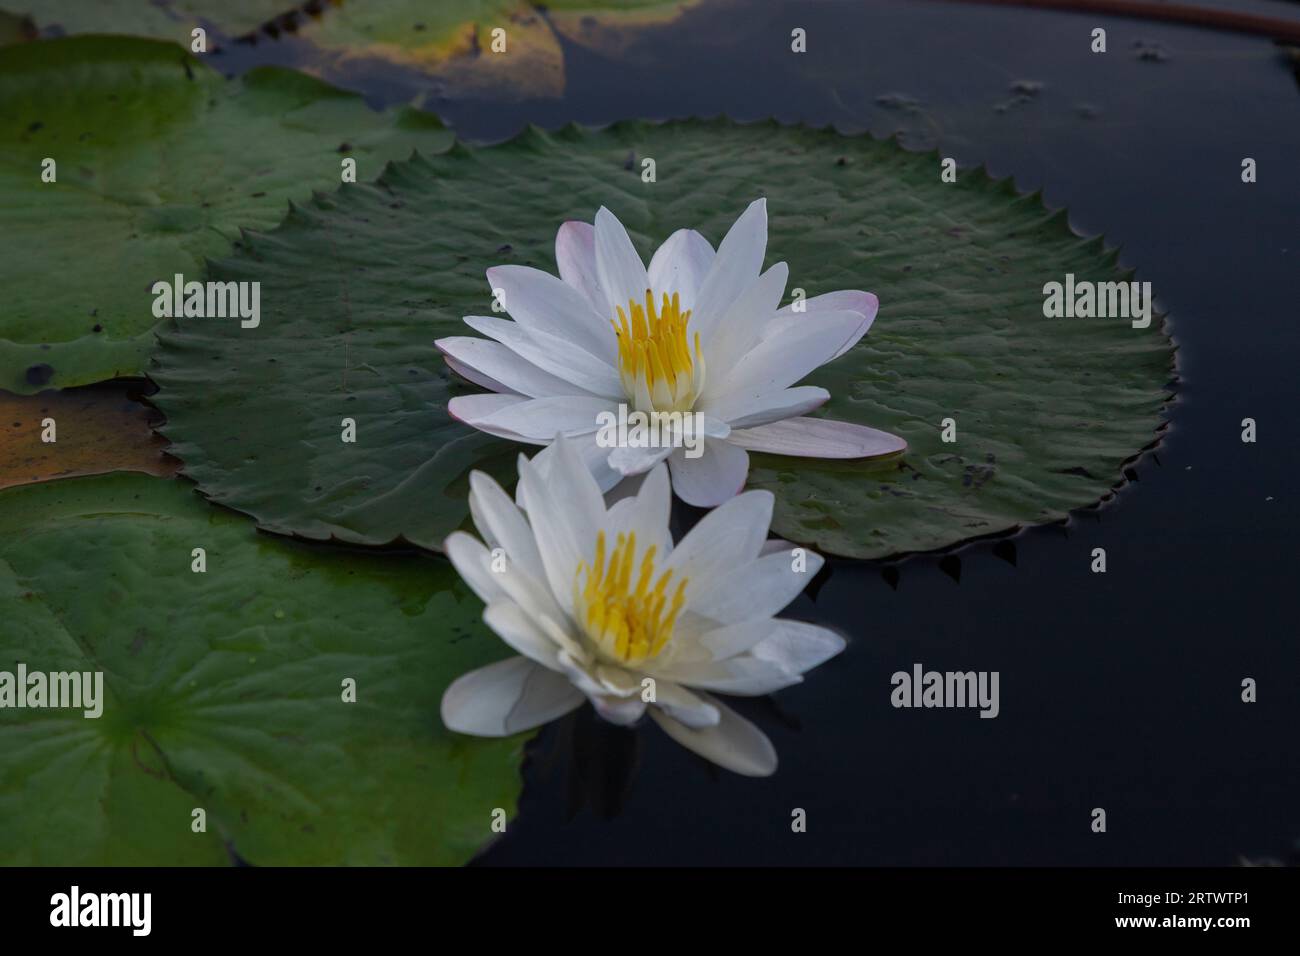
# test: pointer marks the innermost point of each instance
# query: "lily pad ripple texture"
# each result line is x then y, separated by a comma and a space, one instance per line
1047, 411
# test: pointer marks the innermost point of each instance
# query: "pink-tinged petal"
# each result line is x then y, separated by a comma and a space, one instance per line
540, 302
798, 346
506, 698
733, 743
714, 477
818, 438
575, 257
737, 264
557, 356
496, 367
744, 411
620, 269
680, 265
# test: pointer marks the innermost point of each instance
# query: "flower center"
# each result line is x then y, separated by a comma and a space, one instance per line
628, 620
659, 368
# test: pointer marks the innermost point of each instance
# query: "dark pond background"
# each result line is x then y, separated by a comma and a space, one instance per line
1120, 690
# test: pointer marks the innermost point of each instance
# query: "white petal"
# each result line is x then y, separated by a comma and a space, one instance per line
746, 319
726, 537
502, 523
798, 647
761, 588
471, 560
621, 271
512, 625
623, 711
731, 640
561, 358
818, 438
647, 513
566, 511
496, 367
594, 457
744, 411
506, 698
683, 706
712, 478
847, 300
471, 374
796, 347
575, 256
542, 303
734, 743
536, 420
737, 264
635, 461
742, 676
680, 265
773, 545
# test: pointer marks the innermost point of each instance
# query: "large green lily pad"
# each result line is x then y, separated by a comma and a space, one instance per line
160, 161
1047, 410
163, 19
223, 691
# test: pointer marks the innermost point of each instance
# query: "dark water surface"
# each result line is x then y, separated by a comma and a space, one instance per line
1120, 690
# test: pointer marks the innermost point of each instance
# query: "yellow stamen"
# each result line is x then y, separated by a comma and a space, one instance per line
656, 361
629, 620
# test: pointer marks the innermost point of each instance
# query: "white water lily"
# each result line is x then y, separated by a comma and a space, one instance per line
601, 606
697, 332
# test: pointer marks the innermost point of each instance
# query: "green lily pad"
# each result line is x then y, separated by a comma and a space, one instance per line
159, 162
222, 691
163, 19
1047, 410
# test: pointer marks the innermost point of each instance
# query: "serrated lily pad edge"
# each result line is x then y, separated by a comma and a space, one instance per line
1007, 183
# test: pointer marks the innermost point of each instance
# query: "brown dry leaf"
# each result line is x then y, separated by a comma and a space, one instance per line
449, 43
97, 429
611, 26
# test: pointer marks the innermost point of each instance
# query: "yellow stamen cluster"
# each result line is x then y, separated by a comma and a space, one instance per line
659, 368
628, 620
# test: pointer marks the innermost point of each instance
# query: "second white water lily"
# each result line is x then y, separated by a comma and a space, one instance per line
697, 333
601, 606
